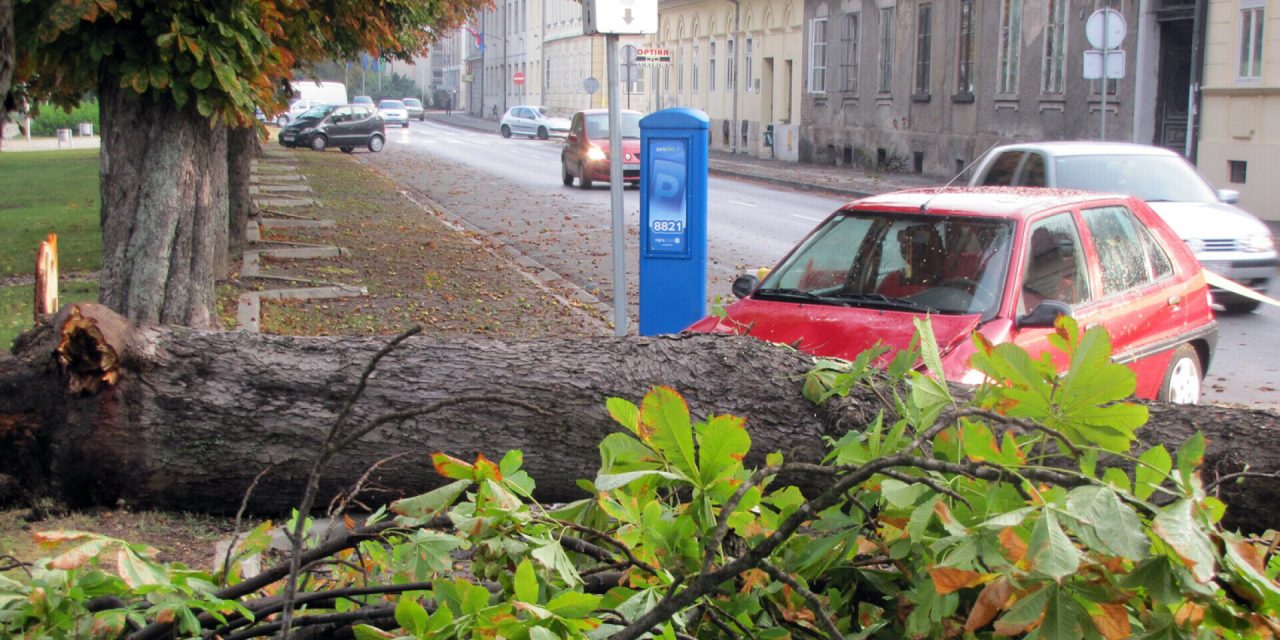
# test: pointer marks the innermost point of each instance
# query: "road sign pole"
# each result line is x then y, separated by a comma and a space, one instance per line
1106, 46
615, 190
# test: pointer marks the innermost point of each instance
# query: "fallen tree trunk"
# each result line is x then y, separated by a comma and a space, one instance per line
176, 418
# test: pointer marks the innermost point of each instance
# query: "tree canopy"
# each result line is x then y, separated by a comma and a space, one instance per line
226, 58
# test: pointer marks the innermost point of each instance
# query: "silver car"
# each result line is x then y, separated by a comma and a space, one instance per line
393, 112
540, 122
1224, 238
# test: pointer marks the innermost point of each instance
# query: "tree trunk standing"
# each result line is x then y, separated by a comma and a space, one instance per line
242, 146
197, 415
8, 60
164, 208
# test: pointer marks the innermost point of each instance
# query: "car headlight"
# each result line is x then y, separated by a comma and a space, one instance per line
594, 153
1258, 242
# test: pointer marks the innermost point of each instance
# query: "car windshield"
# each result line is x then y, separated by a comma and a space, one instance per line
390, 104
550, 112
1152, 178
598, 125
317, 112
412, 102
883, 260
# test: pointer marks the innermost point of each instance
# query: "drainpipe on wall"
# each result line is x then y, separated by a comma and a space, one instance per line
1193, 93
737, 86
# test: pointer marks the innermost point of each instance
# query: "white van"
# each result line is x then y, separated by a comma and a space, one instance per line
312, 93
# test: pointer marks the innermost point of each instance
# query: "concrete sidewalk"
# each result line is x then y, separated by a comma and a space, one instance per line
49, 144
846, 181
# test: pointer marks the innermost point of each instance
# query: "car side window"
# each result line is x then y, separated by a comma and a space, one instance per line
1127, 253
1032, 171
1002, 170
1054, 267
341, 114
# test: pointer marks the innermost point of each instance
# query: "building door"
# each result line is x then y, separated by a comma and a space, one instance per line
1174, 84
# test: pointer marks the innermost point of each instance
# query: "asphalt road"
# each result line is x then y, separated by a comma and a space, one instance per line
510, 189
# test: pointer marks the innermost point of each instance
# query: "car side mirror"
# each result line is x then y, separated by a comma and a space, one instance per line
1044, 314
744, 285
573, 137
1229, 196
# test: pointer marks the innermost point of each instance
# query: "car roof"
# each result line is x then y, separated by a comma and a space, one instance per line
1088, 148
592, 112
1017, 203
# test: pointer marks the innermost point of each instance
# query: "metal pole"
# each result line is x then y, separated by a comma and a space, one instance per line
615, 189
1106, 47
1197, 68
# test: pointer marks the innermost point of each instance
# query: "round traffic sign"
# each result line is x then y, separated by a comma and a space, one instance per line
518, 77
591, 85
1105, 29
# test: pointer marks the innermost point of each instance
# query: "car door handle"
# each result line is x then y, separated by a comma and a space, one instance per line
1175, 300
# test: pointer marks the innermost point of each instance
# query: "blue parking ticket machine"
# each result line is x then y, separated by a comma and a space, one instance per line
673, 220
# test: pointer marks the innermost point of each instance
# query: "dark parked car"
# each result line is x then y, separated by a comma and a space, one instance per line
343, 126
1001, 262
586, 148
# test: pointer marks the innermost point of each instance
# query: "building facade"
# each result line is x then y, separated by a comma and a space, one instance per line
1240, 113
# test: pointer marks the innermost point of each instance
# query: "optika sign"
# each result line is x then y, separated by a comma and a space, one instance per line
653, 56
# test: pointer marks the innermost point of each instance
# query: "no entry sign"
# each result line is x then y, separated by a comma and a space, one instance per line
518, 77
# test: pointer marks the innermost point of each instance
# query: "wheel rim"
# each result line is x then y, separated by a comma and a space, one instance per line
375, 143
318, 143
1184, 382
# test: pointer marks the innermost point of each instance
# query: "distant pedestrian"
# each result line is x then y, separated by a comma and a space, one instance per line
448, 104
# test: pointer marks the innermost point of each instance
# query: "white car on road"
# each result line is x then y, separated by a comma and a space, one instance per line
540, 122
394, 112
1225, 239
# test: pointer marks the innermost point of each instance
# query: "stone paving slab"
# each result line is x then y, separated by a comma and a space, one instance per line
293, 223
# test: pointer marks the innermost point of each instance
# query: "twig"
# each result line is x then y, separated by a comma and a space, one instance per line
340, 502
1209, 488
347, 617
819, 610
928, 482
600, 554
267, 606
15, 564
235, 530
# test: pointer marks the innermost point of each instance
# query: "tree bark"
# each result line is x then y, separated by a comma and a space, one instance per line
242, 146
8, 60
164, 208
177, 418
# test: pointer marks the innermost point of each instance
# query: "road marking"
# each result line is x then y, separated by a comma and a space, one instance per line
743, 204
796, 215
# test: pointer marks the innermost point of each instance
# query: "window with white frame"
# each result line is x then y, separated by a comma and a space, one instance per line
1251, 22
924, 46
693, 80
1010, 44
748, 64
818, 55
730, 67
886, 49
711, 66
680, 66
1055, 47
849, 64
964, 52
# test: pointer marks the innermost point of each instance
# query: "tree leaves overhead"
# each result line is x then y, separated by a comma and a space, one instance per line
230, 57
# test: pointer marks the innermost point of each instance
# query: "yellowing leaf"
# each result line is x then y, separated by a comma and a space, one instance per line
451, 467
1015, 549
948, 579
1112, 621
990, 602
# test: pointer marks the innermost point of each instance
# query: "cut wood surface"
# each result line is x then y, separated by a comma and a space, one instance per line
185, 419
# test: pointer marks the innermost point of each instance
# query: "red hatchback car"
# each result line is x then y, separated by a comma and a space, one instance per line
586, 148
1003, 262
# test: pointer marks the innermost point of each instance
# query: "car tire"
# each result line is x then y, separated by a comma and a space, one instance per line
542, 133
1183, 377
506, 131
375, 143
1240, 307
405, 125
565, 176
318, 143
282, 120
347, 149
583, 181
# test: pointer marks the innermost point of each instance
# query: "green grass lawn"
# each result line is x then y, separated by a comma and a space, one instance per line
17, 302
43, 192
